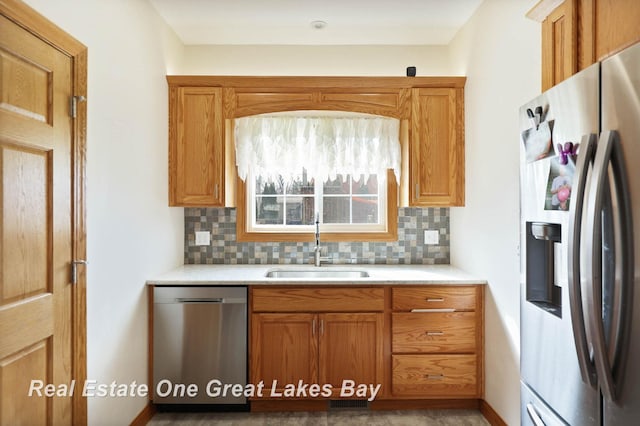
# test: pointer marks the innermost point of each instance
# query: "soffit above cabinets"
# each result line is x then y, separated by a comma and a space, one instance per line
289, 22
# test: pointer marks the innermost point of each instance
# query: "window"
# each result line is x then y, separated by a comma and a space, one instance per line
358, 202
341, 204
272, 210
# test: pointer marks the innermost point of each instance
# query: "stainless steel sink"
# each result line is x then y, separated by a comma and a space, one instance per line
316, 273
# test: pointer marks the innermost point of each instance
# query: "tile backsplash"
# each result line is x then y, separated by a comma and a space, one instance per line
224, 249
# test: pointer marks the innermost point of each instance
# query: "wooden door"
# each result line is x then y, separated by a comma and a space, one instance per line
196, 147
350, 348
436, 160
284, 349
36, 227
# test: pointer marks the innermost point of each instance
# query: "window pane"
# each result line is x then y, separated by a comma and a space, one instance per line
365, 186
340, 185
269, 210
365, 209
300, 185
266, 187
335, 210
300, 210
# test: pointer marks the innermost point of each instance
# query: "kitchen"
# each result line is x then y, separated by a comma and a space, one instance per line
133, 234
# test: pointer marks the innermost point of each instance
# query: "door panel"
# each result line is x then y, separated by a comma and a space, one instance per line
548, 359
28, 95
620, 111
35, 232
22, 409
26, 207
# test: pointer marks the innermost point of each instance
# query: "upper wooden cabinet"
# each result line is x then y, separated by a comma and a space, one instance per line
436, 160
196, 146
201, 109
578, 33
559, 45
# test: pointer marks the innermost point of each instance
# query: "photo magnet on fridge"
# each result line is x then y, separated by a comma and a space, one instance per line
558, 195
537, 141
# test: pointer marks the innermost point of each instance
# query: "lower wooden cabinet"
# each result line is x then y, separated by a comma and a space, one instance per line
324, 348
417, 342
436, 343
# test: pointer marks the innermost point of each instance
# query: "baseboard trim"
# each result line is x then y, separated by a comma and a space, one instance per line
144, 416
490, 414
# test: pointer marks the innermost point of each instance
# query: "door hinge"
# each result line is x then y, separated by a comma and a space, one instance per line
74, 269
73, 105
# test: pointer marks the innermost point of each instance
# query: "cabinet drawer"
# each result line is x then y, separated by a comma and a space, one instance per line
450, 332
365, 299
459, 298
439, 376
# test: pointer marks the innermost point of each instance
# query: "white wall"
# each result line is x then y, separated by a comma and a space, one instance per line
499, 51
315, 60
131, 233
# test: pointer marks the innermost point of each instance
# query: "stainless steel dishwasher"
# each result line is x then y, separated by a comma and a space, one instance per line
199, 336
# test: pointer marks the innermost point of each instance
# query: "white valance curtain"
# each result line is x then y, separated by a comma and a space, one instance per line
325, 146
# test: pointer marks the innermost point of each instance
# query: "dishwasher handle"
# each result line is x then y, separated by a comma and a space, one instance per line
199, 300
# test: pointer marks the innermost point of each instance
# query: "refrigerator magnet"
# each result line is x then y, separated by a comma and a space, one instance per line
558, 194
537, 141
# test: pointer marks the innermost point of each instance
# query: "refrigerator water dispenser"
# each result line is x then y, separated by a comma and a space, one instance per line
541, 287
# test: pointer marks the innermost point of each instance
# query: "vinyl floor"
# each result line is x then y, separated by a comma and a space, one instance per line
340, 417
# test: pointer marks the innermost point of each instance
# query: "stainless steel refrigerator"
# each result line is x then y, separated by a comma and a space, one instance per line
580, 248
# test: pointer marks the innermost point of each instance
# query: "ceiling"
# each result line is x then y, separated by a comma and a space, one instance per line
287, 22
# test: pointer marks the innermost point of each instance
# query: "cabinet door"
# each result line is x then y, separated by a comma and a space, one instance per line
351, 349
617, 25
559, 45
196, 147
283, 348
436, 160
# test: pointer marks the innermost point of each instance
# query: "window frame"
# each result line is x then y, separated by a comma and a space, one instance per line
390, 233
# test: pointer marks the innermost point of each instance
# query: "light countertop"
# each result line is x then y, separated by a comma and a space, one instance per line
255, 275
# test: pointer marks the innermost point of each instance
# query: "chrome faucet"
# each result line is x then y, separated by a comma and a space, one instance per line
317, 251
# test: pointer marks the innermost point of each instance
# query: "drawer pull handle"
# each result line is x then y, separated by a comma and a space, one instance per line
434, 376
434, 310
435, 299
435, 333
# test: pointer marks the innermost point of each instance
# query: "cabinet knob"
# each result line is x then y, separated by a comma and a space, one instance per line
435, 333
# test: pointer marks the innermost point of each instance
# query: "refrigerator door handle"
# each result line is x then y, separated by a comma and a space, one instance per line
534, 416
610, 361
578, 321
